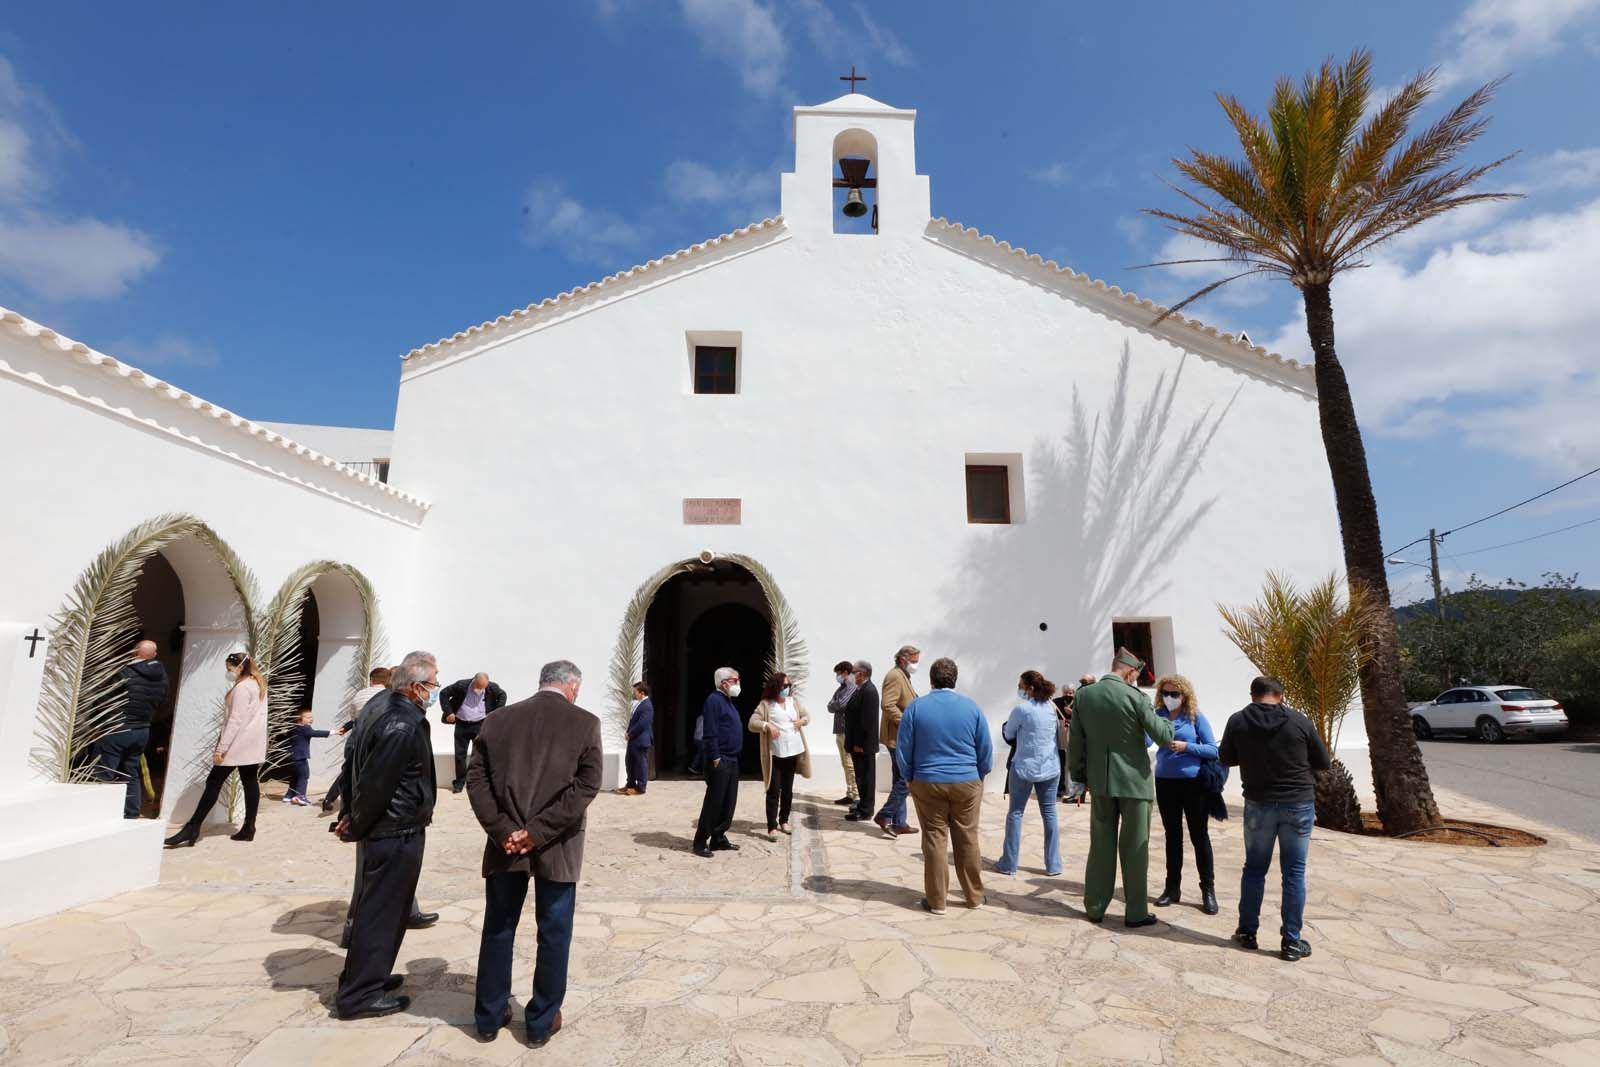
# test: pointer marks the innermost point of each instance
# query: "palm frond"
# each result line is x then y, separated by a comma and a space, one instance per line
789, 653
91, 636
627, 658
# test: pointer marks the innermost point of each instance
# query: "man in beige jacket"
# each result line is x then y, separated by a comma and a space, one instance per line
898, 693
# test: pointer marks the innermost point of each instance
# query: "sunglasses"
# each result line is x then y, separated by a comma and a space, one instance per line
1171, 693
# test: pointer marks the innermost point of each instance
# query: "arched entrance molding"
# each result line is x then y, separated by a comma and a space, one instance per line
788, 647
347, 608
92, 631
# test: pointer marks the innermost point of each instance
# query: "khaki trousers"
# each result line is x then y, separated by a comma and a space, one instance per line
949, 815
850, 789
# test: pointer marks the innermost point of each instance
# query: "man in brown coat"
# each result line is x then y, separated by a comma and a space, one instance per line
898, 693
535, 768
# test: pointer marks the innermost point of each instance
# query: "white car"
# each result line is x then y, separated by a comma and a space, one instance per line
1489, 713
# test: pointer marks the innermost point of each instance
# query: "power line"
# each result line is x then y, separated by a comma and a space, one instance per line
1525, 540
1494, 515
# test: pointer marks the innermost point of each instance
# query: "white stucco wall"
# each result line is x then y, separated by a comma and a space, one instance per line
870, 367
90, 449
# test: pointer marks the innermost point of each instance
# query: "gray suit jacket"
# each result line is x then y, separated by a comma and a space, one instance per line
536, 767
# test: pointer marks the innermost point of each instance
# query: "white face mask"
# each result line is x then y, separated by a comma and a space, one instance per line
233, 674
840, 678
911, 668
734, 690
1022, 694
1172, 703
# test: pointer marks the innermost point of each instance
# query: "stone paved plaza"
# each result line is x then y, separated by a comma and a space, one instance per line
813, 951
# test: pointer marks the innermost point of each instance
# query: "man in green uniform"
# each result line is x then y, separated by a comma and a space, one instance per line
1106, 750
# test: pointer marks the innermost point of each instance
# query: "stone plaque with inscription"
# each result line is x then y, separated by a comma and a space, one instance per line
711, 511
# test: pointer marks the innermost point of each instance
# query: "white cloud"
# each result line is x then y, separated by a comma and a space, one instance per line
44, 250
744, 33
76, 259
747, 195
1488, 339
1135, 229
167, 350
1492, 36
1566, 169
553, 219
883, 40
1054, 174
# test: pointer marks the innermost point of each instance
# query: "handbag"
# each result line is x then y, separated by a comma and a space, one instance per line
1214, 776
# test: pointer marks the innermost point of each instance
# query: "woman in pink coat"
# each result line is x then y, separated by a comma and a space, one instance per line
242, 747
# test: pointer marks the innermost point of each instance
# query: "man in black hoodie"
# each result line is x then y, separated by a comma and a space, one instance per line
1276, 750
144, 687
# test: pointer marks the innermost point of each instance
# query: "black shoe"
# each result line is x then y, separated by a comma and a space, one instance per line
379, 1007
1168, 897
1208, 901
703, 852
393, 982
421, 920
1294, 950
244, 833
505, 1021
1096, 919
456, 787
724, 846
344, 937
544, 1039
845, 800
185, 837
853, 816
1244, 940
1148, 920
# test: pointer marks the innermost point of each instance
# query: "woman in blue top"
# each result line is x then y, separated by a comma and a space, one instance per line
1180, 795
1035, 769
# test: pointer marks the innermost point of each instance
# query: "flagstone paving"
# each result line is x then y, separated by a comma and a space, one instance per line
812, 950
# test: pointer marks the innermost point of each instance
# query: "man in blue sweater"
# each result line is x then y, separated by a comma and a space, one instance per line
943, 749
721, 738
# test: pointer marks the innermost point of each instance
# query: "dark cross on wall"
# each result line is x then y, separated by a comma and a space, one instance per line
852, 77
33, 640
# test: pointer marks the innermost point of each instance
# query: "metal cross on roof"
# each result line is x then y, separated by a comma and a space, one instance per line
852, 77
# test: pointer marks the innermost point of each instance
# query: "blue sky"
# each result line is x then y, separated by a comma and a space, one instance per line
268, 206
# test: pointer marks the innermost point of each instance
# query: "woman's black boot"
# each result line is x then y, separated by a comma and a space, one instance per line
1208, 900
1169, 895
186, 836
247, 832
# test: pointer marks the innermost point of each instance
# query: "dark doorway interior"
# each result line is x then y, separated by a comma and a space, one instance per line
158, 604
714, 616
303, 684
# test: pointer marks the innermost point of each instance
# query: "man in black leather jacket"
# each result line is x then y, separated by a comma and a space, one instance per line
388, 777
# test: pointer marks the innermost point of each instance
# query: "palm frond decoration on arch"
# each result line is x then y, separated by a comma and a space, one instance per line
280, 648
789, 653
91, 633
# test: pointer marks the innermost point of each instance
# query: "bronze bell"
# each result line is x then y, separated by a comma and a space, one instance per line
854, 205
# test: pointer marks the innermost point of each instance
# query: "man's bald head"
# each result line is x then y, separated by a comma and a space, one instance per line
480, 681
144, 650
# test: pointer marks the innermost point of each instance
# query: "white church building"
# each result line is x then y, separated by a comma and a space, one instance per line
816, 438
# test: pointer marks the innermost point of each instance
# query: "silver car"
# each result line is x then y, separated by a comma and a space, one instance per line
1489, 713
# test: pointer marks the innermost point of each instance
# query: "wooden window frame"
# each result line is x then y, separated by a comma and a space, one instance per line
1005, 496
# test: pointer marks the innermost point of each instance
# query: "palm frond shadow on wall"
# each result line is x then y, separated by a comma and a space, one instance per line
1107, 505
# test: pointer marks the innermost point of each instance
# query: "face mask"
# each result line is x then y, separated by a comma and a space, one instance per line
784, 692
840, 678
1022, 694
433, 697
911, 668
233, 675
734, 690
1172, 703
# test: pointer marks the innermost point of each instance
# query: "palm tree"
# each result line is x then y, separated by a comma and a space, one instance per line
1319, 186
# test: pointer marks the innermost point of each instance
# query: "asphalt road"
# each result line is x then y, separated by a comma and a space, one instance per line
1555, 782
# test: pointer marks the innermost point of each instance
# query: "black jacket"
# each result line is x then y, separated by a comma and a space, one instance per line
144, 683
388, 771
451, 696
861, 718
1275, 748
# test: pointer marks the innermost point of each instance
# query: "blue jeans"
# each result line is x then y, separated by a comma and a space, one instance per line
894, 808
1020, 791
553, 905
1289, 827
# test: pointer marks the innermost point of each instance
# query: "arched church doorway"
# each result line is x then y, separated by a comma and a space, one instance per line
708, 616
158, 609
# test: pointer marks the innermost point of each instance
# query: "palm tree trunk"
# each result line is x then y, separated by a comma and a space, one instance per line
1405, 799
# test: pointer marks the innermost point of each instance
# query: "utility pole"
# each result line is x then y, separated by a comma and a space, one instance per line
1438, 601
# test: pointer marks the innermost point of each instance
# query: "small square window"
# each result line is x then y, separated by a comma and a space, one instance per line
716, 369
988, 494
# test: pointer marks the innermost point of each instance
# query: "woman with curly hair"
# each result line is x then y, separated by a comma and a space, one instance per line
1035, 770
1180, 795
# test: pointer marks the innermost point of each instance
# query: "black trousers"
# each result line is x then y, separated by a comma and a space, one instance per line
466, 736
118, 761
214, 782
866, 764
1181, 800
780, 790
722, 794
638, 764
355, 892
390, 867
